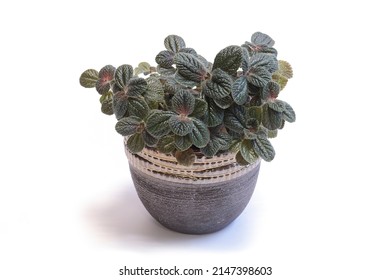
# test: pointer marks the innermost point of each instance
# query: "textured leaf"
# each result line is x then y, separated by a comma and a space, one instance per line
277, 105
138, 107
166, 144
188, 50
89, 78
135, 143
271, 119
270, 91
285, 69
106, 75
213, 115
229, 59
245, 60
268, 61
184, 82
263, 148
258, 76
219, 86
168, 71
240, 90
248, 152
165, 59
240, 159
259, 38
272, 133
282, 81
235, 118
128, 126
137, 86
181, 125
248, 134
224, 102
142, 68
149, 140
199, 108
211, 148
252, 124
157, 124
174, 43
190, 67
183, 143
123, 75
154, 92
186, 158
183, 102
107, 107
200, 134
288, 113
255, 112
255, 101
120, 104
219, 140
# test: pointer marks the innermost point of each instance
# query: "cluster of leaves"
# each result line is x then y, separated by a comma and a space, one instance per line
187, 105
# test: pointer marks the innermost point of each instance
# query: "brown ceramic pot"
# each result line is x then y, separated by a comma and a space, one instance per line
199, 199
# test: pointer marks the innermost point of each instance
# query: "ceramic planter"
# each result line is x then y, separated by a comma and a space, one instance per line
199, 199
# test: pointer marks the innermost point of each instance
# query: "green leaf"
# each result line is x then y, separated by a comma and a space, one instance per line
200, 135
213, 115
154, 92
218, 141
165, 59
263, 148
272, 133
106, 75
184, 82
157, 124
199, 108
255, 112
174, 43
89, 78
288, 113
259, 38
181, 125
182, 143
282, 81
224, 102
268, 61
150, 141
189, 50
248, 152
271, 119
107, 107
166, 144
128, 126
235, 118
249, 134
183, 102
142, 68
186, 158
245, 60
258, 76
240, 90
137, 86
240, 159
123, 75
120, 104
219, 86
166, 71
138, 107
229, 59
277, 105
285, 69
135, 143
270, 91
190, 67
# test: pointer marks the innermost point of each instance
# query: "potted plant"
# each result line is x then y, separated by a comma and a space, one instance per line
195, 131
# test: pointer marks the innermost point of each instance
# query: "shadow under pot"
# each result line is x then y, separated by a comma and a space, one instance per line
199, 199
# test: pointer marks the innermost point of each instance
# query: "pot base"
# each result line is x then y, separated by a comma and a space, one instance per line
194, 207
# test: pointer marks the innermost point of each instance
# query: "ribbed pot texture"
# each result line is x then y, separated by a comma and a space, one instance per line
199, 199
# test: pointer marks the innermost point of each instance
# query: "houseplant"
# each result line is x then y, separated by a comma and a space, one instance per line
195, 131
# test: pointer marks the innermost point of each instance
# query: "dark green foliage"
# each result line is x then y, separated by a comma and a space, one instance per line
187, 105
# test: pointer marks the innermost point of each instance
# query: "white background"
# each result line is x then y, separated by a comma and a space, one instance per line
68, 209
